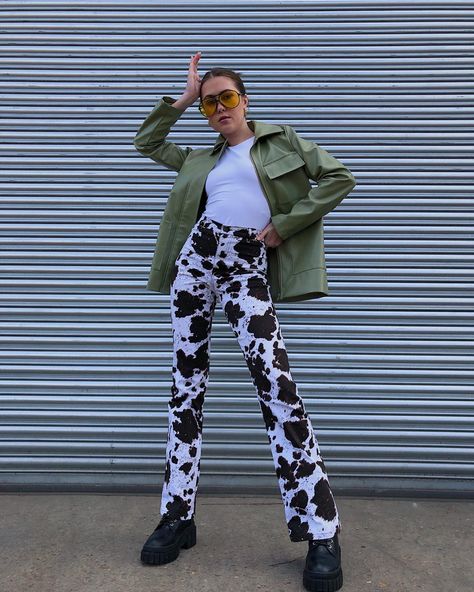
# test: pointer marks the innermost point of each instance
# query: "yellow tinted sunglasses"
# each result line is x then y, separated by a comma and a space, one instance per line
229, 98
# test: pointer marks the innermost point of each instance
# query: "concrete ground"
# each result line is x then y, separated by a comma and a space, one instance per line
92, 542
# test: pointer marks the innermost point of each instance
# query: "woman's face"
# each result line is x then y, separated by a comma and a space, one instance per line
236, 116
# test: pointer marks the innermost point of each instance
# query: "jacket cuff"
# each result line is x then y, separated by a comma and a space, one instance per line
162, 116
169, 101
278, 222
165, 106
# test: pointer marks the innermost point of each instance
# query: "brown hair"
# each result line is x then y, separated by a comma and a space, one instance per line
235, 76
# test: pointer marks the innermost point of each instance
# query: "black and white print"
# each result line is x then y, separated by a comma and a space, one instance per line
228, 264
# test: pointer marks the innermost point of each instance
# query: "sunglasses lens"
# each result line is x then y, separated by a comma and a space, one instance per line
230, 99
209, 106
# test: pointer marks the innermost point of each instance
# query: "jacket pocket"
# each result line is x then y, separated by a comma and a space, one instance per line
283, 164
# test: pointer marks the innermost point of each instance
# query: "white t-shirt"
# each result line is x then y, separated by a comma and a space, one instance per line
235, 196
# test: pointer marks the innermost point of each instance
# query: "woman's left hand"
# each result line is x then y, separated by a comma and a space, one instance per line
273, 239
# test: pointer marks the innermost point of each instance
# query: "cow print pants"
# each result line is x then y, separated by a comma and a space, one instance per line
230, 263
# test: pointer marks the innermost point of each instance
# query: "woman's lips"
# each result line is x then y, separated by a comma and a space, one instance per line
224, 119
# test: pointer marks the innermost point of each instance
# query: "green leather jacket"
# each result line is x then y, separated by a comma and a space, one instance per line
285, 163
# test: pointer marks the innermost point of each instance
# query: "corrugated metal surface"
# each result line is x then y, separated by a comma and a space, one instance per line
384, 364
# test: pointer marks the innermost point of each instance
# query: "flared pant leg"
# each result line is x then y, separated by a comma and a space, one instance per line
309, 505
193, 300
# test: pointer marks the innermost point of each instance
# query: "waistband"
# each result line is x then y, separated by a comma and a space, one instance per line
241, 231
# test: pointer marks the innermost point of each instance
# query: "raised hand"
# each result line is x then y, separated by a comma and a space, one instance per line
193, 85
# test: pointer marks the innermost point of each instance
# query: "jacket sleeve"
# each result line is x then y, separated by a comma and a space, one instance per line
334, 182
150, 137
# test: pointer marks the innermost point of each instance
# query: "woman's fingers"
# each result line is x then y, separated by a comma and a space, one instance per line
194, 80
192, 67
195, 59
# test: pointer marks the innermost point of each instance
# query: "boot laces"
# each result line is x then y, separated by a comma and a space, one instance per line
329, 543
167, 521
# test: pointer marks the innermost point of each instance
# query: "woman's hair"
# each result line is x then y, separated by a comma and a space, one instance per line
235, 76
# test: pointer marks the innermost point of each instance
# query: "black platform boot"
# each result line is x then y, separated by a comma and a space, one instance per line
165, 542
323, 571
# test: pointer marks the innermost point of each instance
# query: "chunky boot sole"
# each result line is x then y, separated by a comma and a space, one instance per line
186, 539
329, 582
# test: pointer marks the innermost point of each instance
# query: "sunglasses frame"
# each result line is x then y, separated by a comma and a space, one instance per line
217, 99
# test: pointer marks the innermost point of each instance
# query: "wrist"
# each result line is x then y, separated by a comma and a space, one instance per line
184, 102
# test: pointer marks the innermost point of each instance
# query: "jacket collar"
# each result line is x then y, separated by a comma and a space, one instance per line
259, 128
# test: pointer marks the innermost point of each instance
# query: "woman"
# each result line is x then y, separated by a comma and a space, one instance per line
225, 258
